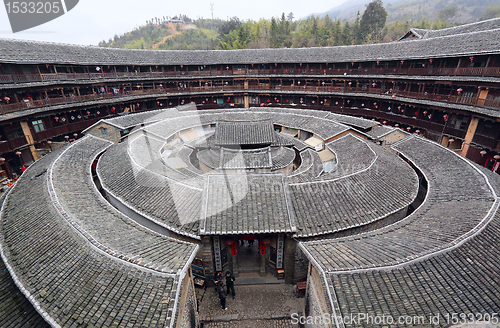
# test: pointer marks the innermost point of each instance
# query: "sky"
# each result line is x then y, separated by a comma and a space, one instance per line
92, 21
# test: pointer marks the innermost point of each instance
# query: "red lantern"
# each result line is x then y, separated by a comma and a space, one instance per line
47, 66
266, 241
229, 242
378, 62
459, 90
471, 58
402, 62
431, 60
275, 64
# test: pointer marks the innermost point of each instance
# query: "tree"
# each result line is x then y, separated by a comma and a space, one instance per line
355, 32
233, 24
490, 12
346, 34
337, 33
290, 17
274, 33
372, 22
447, 13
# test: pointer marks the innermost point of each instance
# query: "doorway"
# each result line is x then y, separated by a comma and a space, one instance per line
248, 255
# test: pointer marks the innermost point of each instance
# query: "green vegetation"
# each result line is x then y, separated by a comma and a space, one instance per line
372, 22
283, 32
198, 39
491, 12
451, 11
143, 37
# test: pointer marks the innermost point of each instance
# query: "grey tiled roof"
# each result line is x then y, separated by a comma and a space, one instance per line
136, 119
15, 309
462, 280
210, 157
245, 204
145, 151
171, 203
235, 159
105, 227
353, 155
352, 121
65, 276
244, 133
246, 159
458, 201
468, 43
379, 131
310, 168
329, 205
281, 157
490, 24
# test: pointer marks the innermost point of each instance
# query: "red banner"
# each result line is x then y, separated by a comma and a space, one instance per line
262, 248
234, 248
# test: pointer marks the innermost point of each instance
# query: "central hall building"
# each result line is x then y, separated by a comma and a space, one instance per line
337, 166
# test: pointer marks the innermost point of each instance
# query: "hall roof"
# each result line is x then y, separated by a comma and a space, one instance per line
321, 202
238, 204
230, 133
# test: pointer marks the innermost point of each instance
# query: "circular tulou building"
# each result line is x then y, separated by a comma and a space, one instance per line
365, 171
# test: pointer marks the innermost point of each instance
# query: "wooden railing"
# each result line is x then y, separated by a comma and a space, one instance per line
465, 71
334, 90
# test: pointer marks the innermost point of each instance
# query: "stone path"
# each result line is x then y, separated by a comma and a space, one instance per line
279, 323
268, 305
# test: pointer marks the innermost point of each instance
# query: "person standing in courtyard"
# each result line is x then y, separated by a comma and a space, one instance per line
230, 283
222, 295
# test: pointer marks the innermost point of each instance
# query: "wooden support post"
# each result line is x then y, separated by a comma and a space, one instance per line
471, 131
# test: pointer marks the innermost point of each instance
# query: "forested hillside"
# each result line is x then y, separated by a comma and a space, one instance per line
372, 25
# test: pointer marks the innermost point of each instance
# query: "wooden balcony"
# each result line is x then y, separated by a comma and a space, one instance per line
335, 90
465, 71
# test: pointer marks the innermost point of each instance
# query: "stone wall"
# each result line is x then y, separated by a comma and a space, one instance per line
188, 307
316, 307
301, 266
105, 131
